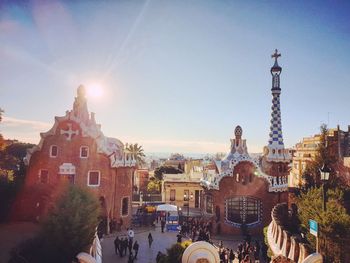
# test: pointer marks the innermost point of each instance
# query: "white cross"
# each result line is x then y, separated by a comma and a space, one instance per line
69, 132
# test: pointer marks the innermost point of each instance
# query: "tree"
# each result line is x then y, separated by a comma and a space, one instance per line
154, 186
12, 174
158, 172
137, 153
69, 228
1, 138
334, 223
325, 155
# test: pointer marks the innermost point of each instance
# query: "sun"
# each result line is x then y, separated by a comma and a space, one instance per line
94, 90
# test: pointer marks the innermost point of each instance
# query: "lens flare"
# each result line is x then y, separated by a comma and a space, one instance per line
95, 90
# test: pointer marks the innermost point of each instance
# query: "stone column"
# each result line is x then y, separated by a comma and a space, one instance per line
294, 249
303, 252
286, 243
280, 238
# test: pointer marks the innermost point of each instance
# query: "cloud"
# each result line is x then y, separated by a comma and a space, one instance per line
36, 125
23, 130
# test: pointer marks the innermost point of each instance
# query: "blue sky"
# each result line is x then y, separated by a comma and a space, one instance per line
178, 76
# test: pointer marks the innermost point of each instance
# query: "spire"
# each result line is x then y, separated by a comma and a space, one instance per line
80, 109
276, 72
275, 147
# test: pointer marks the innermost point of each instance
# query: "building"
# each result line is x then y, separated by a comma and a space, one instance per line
141, 179
76, 151
305, 151
184, 190
241, 190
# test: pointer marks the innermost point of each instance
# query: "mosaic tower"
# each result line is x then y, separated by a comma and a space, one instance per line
275, 146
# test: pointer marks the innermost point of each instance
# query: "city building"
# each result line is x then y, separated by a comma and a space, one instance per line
241, 191
141, 179
305, 151
76, 151
184, 190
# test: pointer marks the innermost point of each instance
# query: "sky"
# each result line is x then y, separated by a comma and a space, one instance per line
176, 76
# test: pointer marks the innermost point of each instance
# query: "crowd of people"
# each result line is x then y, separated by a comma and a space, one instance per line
247, 252
122, 245
197, 229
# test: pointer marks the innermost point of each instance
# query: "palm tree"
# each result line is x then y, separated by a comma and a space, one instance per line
136, 152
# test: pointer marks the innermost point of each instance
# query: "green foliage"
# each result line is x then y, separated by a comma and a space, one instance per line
12, 173
154, 186
334, 222
137, 152
174, 253
311, 174
269, 251
68, 229
158, 172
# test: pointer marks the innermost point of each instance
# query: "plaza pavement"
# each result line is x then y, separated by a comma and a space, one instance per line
161, 241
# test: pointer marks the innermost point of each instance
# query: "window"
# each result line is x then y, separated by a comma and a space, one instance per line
44, 176
172, 194
94, 178
243, 210
186, 195
209, 204
125, 206
53, 151
84, 152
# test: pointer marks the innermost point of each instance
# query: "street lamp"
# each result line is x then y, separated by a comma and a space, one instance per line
188, 198
325, 171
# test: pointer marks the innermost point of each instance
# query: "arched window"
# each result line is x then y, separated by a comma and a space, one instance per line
125, 206
243, 210
84, 152
209, 204
94, 178
53, 151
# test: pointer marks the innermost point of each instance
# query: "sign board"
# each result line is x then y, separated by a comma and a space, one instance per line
313, 227
66, 168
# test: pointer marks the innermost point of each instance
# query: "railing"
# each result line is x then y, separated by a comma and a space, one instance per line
147, 197
95, 253
283, 243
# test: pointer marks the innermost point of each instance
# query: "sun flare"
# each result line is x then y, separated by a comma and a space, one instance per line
95, 90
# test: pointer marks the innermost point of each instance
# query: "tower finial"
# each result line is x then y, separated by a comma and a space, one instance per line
276, 55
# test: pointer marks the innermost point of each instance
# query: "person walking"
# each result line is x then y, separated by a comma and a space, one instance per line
136, 248
131, 234
125, 245
116, 245
150, 239
130, 245
231, 256
162, 225
131, 258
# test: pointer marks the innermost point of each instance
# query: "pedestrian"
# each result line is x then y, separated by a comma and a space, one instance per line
116, 245
231, 256
179, 238
150, 239
131, 234
131, 258
130, 246
162, 225
125, 246
136, 248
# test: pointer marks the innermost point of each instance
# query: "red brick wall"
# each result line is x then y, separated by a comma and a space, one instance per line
257, 188
114, 183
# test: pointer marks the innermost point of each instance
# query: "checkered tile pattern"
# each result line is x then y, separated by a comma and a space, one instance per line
276, 126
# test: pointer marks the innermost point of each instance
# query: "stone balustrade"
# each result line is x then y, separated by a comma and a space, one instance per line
280, 239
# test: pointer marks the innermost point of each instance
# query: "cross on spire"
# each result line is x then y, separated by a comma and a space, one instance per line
276, 55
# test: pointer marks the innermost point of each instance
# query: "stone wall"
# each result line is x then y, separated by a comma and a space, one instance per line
282, 242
